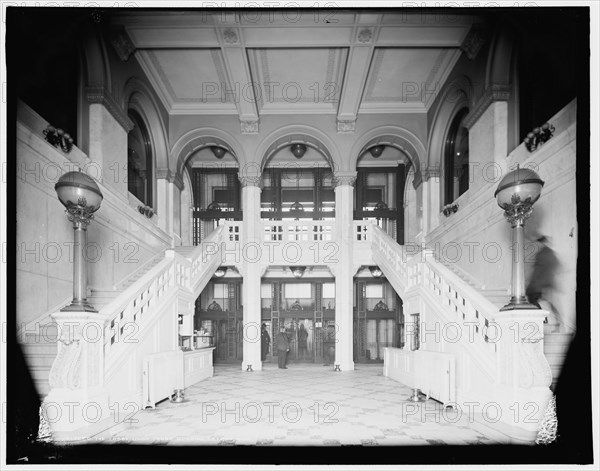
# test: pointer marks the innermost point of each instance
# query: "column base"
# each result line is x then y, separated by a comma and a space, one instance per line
343, 366
79, 306
254, 366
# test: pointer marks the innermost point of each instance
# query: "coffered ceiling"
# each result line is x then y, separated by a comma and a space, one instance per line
254, 63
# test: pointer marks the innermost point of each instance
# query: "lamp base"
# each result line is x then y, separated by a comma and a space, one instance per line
79, 306
519, 303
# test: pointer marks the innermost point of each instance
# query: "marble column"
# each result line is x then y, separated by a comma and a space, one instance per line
344, 274
251, 271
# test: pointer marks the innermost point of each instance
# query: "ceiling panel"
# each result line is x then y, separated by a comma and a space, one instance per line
401, 74
304, 77
192, 75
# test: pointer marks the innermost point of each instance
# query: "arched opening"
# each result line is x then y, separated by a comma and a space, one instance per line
380, 183
456, 158
298, 182
212, 172
140, 168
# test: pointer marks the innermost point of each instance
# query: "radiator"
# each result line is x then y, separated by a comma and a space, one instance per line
434, 373
163, 373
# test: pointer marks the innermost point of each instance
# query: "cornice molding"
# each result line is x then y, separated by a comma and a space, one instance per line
492, 94
103, 97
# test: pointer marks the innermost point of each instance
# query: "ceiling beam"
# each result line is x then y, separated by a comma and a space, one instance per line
240, 80
357, 70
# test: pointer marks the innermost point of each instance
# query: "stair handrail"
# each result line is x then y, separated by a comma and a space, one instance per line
115, 306
126, 278
197, 256
473, 296
414, 268
381, 239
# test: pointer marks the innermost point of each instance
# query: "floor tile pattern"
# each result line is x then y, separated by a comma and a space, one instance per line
303, 405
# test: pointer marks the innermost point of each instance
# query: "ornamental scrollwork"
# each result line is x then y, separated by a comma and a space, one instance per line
518, 210
80, 214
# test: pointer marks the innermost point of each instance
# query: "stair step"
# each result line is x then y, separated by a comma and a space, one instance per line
41, 360
42, 348
558, 338
42, 387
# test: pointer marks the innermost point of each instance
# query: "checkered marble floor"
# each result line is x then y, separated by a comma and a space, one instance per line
303, 405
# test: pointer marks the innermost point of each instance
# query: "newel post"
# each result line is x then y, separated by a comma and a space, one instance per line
77, 405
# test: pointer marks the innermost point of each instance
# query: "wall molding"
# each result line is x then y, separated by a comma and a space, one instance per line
101, 95
491, 94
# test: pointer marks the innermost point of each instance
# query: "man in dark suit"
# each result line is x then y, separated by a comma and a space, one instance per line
265, 341
282, 344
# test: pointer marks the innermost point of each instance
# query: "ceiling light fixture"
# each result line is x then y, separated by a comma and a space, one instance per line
220, 272
298, 150
376, 151
218, 151
376, 272
298, 272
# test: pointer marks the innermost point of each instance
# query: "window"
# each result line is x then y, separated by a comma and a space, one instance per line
139, 161
456, 159
297, 291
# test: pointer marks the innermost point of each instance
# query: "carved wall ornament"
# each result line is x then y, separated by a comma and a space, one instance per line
121, 42
230, 36
66, 369
534, 370
450, 209
473, 42
538, 136
365, 35
346, 125
249, 126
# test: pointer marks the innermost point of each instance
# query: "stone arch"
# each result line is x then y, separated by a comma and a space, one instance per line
137, 96
292, 134
393, 136
455, 96
200, 138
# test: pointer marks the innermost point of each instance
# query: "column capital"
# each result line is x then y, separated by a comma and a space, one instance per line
254, 180
344, 178
175, 178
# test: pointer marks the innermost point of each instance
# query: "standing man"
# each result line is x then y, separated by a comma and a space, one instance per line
265, 341
282, 343
302, 342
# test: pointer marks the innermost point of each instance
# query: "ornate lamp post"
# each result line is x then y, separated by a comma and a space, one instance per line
82, 198
516, 194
